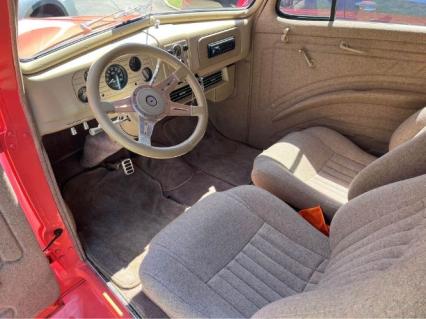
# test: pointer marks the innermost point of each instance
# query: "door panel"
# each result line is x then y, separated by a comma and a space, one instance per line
27, 285
364, 94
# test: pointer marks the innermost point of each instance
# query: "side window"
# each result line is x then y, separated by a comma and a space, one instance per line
305, 9
386, 11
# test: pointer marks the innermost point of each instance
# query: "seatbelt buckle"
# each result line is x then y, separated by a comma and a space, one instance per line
127, 166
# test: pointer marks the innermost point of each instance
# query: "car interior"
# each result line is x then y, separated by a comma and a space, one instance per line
182, 147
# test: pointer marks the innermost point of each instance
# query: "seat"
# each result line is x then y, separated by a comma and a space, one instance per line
244, 252
311, 167
317, 166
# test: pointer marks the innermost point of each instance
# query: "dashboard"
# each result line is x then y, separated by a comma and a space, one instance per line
57, 96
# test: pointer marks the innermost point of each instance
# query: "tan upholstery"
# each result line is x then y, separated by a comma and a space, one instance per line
363, 96
244, 252
311, 167
405, 161
411, 127
318, 166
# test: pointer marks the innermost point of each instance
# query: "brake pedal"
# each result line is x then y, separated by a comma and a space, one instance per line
127, 166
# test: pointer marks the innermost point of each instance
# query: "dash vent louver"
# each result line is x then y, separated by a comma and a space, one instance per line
180, 93
185, 91
212, 79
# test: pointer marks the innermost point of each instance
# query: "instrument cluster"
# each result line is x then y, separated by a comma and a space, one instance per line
118, 79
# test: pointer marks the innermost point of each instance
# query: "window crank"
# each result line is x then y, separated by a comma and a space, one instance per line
284, 36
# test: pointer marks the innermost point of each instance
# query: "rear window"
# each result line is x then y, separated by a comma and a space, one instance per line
386, 11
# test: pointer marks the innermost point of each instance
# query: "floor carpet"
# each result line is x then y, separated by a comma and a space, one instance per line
117, 216
215, 155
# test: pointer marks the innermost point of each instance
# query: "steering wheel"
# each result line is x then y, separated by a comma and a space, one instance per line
150, 101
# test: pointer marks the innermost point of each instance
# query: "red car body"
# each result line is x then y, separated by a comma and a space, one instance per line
39, 34
83, 293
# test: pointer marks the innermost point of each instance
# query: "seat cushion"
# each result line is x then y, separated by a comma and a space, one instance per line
231, 254
311, 167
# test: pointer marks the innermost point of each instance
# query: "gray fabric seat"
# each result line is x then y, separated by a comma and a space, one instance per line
244, 252
317, 166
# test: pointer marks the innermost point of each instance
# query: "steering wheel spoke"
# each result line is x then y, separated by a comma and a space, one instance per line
180, 109
156, 71
170, 83
146, 127
118, 106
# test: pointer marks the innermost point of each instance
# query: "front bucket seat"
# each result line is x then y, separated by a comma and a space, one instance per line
244, 252
317, 166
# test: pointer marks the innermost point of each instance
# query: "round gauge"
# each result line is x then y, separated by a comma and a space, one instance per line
116, 77
82, 95
135, 64
86, 73
177, 50
147, 74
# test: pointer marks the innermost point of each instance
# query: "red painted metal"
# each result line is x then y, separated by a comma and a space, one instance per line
39, 34
81, 289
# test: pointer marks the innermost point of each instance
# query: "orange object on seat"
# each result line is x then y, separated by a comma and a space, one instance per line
315, 217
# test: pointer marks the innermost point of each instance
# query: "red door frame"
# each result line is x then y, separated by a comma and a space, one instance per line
83, 293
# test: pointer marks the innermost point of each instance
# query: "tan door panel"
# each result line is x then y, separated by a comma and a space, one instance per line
360, 80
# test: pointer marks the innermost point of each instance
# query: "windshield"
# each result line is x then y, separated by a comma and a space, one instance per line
46, 25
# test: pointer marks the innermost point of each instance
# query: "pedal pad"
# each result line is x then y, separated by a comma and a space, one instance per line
127, 166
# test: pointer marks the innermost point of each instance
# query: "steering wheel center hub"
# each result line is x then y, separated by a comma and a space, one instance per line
149, 102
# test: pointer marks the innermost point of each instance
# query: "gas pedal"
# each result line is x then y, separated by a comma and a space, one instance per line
127, 166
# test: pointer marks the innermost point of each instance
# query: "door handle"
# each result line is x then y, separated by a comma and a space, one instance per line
346, 47
307, 58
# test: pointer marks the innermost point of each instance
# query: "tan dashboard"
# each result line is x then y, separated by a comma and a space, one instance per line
57, 95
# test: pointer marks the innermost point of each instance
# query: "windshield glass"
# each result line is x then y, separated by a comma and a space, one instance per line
45, 25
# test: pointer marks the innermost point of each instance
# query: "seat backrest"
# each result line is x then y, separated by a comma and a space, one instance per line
411, 127
404, 161
377, 266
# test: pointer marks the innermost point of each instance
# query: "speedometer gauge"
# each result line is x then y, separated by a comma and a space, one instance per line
116, 77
